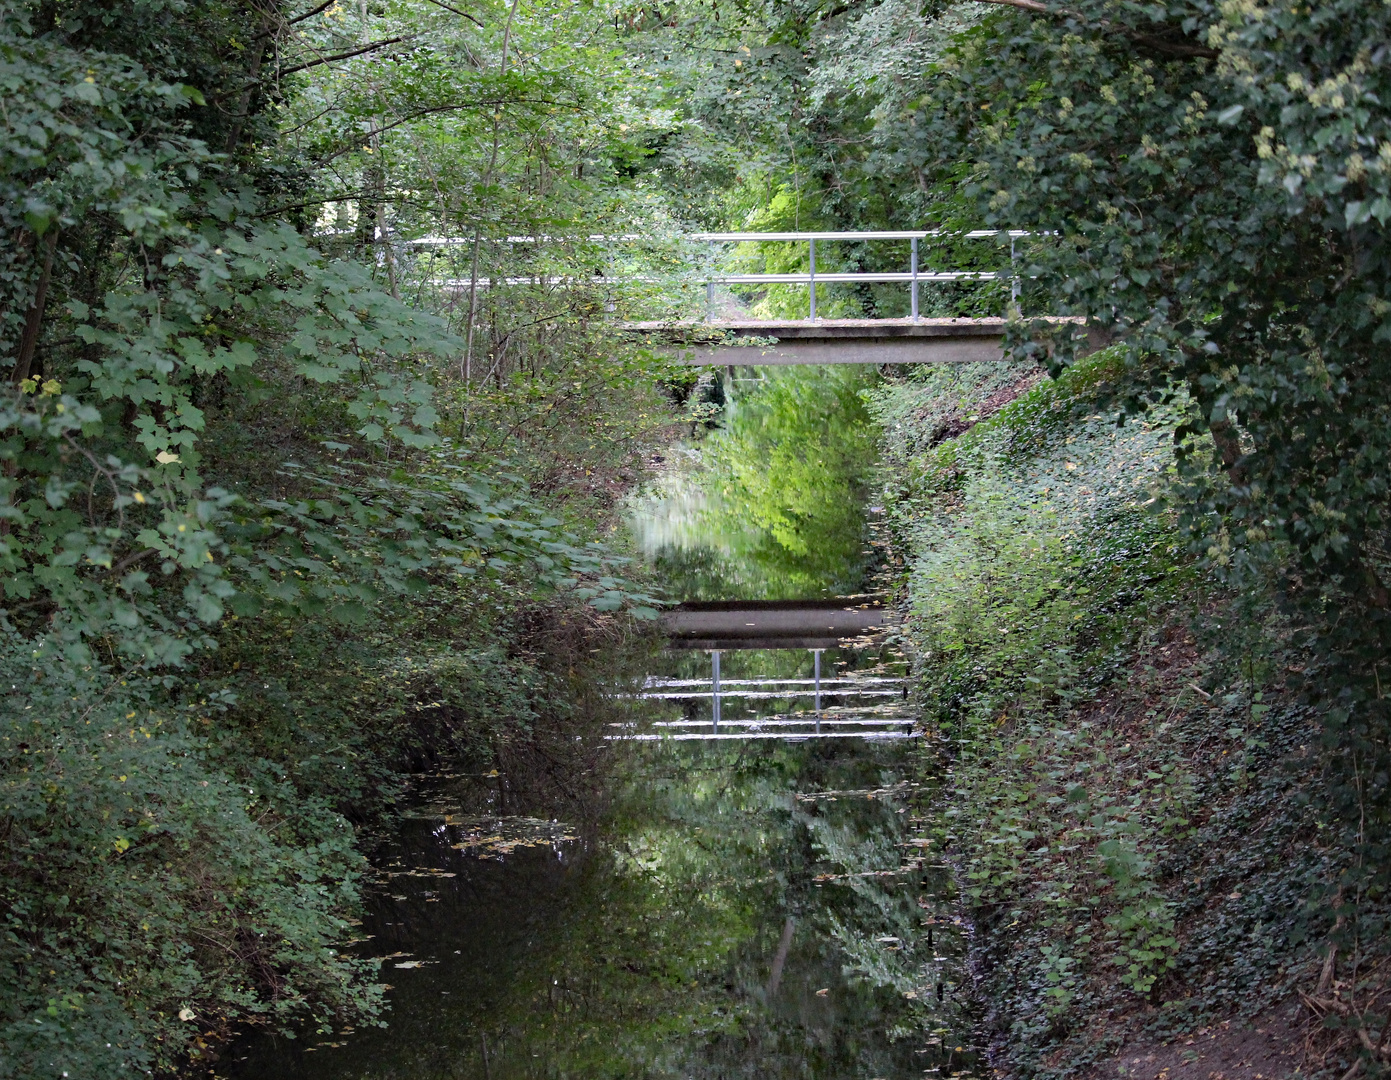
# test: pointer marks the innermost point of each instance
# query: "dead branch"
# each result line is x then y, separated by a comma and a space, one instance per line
464, 14
297, 19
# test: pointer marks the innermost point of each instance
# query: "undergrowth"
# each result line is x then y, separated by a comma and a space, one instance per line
1136, 816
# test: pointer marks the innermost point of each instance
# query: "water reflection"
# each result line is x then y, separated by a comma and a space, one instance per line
770, 505
648, 948
756, 909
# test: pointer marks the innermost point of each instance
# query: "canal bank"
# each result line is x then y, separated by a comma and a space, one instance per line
1131, 784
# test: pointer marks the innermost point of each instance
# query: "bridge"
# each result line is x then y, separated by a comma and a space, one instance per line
732, 340
770, 624
748, 342
736, 341
874, 710
861, 707
855, 706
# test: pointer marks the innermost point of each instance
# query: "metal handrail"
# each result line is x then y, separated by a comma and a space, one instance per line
913, 276
728, 237
851, 275
921, 234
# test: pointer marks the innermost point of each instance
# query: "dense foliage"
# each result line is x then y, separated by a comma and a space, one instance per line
1213, 179
314, 419
1138, 819
293, 456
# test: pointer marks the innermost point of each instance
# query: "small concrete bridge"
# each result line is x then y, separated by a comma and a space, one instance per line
860, 706
725, 341
738, 342
829, 341
770, 624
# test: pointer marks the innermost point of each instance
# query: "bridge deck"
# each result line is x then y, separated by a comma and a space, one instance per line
769, 624
720, 736
828, 341
790, 730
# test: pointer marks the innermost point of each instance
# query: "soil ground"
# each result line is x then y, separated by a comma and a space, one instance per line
1268, 1047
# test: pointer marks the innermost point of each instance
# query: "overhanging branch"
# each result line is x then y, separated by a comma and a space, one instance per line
341, 56
366, 136
464, 14
297, 19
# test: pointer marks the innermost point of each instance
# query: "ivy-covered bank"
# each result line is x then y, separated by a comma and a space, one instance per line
1137, 817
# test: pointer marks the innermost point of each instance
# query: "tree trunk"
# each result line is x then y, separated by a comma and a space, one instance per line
33, 322
253, 79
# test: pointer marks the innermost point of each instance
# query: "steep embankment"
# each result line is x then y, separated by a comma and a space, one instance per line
1135, 814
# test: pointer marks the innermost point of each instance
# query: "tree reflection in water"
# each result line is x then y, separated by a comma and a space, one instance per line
646, 947
769, 505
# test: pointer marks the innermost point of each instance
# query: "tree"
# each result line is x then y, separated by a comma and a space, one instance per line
1209, 185
222, 418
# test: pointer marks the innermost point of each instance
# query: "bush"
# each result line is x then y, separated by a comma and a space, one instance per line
147, 896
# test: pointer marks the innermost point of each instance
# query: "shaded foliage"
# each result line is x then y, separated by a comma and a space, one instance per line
226, 420
1139, 823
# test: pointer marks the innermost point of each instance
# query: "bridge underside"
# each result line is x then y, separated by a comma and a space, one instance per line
828, 341
769, 624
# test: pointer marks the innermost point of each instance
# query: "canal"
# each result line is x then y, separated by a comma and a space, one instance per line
760, 908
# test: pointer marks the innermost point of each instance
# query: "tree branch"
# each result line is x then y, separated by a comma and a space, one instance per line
341, 56
253, 77
33, 322
463, 14
494, 103
297, 19
127, 563
1028, 5
311, 14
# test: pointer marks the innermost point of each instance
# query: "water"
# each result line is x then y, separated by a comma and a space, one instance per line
748, 909
786, 516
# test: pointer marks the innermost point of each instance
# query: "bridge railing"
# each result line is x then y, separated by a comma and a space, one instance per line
912, 276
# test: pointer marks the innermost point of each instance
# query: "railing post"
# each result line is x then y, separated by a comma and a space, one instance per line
816, 662
812, 244
914, 271
710, 288
715, 691
1014, 280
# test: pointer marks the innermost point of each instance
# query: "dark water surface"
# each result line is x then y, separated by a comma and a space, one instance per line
650, 947
760, 909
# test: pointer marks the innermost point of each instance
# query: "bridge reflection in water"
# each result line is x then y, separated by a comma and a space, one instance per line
815, 625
